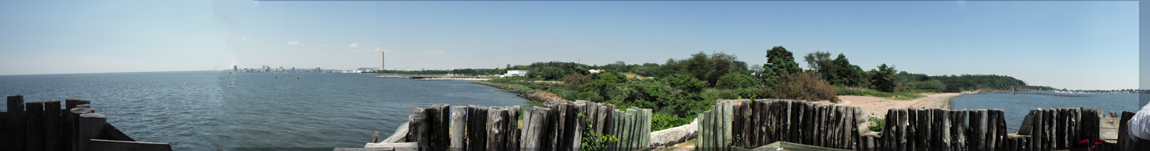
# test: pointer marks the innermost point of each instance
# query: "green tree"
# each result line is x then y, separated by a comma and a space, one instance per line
604, 81
686, 83
818, 61
779, 62
844, 73
736, 80
710, 67
883, 79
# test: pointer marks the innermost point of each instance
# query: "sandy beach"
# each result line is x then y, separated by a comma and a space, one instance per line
879, 106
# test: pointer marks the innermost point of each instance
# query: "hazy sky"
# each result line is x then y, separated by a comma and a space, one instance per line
1075, 45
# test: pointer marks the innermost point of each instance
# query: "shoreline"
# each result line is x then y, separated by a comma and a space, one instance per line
536, 96
879, 105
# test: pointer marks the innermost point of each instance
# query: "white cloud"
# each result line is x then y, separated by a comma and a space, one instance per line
432, 52
292, 43
353, 45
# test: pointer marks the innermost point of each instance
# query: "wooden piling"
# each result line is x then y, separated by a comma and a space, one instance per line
534, 129
476, 128
458, 127
52, 139
1125, 143
17, 131
89, 125
34, 121
512, 129
495, 128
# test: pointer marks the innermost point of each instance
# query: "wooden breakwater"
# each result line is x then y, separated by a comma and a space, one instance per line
748, 125
743, 124
43, 126
554, 126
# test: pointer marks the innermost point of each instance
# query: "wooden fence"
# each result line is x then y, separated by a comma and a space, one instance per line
743, 124
554, 126
44, 126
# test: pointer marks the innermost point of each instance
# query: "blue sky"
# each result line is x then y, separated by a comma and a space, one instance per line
1075, 45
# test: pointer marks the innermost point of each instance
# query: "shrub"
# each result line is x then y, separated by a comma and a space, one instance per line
660, 121
804, 86
577, 79
878, 124
736, 80
685, 83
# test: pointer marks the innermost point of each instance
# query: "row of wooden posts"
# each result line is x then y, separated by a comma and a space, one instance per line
554, 126
747, 124
44, 126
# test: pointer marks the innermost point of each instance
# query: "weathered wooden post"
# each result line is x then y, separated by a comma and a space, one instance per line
476, 128
458, 126
441, 137
1036, 129
68, 123
89, 125
418, 126
17, 131
495, 127
52, 125
1125, 143
512, 130
534, 129
34, 121
74, 117
958, 130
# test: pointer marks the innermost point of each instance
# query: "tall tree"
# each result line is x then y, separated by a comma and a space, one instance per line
779, 62
844, 73
883, 79
818, 60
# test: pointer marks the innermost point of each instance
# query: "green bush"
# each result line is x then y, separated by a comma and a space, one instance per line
736, 80
661, 121
804, 86
594, 141
878, 124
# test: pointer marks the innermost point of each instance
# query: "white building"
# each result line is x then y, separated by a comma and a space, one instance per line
593, 71
515, 73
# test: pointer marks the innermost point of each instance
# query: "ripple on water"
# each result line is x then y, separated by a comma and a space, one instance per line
201, 111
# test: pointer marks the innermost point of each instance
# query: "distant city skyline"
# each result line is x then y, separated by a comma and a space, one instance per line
1073, 45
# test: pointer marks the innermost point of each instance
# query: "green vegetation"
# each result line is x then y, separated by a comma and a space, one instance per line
909, 95
878, 124
883, 78
975, 82
664, 121
681, 88
592, 140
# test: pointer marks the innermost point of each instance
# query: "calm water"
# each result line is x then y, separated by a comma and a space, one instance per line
1017, 106
212, 110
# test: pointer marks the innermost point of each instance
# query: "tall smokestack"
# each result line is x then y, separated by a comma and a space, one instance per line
383, 60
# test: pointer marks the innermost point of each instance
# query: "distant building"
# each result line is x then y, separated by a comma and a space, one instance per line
235, 68
593, 71
515, 73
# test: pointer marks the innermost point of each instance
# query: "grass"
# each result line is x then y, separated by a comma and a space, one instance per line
908, 95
